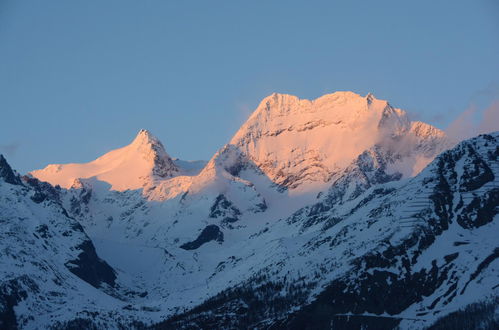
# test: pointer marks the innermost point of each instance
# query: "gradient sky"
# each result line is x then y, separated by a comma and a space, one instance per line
79, 78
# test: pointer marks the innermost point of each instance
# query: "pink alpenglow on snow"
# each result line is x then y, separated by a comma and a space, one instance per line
296, 143
130, 167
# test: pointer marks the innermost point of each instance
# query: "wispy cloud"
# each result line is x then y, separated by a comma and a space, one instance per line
474, 121
490, 119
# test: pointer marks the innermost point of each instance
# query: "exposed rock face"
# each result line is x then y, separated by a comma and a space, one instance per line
222, 208
209, 233
90, 268
6, 172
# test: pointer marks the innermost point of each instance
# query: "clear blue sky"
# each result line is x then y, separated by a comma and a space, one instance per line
78, 78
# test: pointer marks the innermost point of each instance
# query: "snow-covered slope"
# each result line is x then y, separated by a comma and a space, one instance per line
372, 251
300, 143
402, 254
132, 167
287, 152
311, 212
49, 270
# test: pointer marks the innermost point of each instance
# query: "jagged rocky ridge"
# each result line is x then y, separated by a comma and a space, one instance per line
301, 143
265, 240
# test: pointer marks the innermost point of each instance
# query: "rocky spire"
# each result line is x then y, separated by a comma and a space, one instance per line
6, 172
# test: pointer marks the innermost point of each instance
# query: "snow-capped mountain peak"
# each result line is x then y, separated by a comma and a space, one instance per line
144, 138
298, 142
132, 167
153, 151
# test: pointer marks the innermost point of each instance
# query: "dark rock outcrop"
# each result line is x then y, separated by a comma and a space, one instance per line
223, 208
209, 233
6, 172
90, 268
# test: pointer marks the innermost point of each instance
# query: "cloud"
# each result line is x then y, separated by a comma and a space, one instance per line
490, 119
9, 149
474, 121
463, 127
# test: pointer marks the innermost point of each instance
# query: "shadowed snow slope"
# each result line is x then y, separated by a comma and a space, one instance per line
371, 252
48, 265
313, 211
399, 255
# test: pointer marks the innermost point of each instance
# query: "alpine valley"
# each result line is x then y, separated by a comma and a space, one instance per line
333, 213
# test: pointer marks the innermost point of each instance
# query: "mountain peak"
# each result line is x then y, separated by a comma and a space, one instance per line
308, 140
278, 104
7, 173
369, 97
153, 150
132, 167
145, 138
143, 134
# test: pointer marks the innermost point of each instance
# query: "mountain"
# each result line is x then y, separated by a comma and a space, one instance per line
295, 143
299, 143
411, 254
316, 213
132, 167
401, 252
49, 268
288, 148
